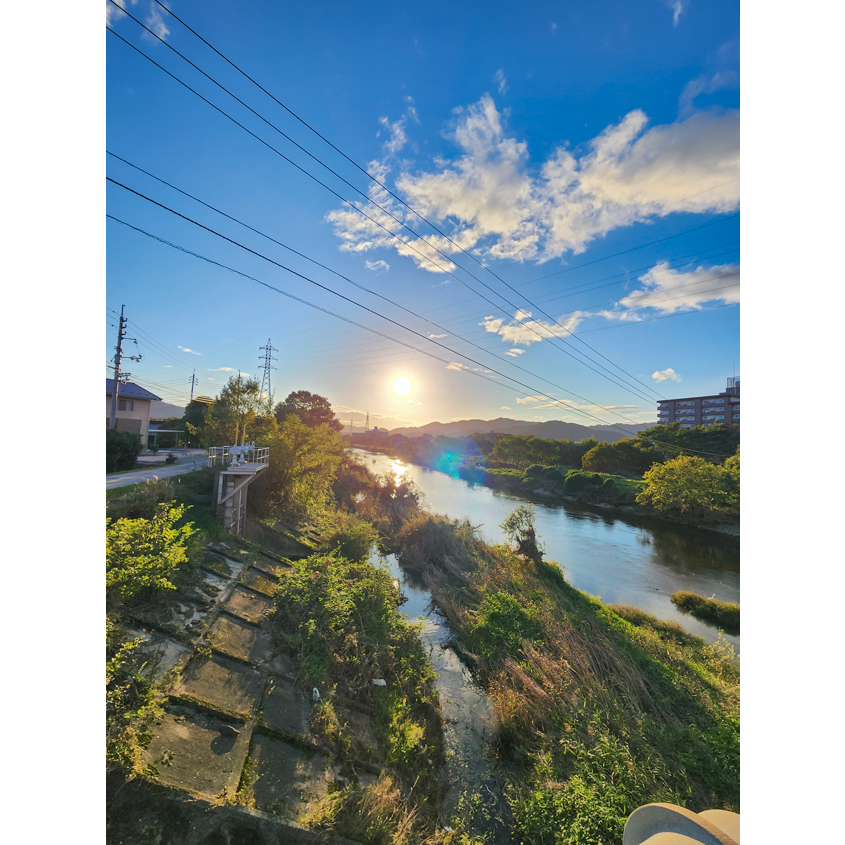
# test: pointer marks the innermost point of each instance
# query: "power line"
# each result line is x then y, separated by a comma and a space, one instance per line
552, 336
385, 187
340, 275
335, 293
558, 402
554, 401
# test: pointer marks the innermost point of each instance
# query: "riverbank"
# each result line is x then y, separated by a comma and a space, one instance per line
596, 710
603, 491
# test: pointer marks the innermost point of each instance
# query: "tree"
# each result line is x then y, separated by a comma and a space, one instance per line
519, 526
303, 465
312, 409
231, 418
691, 486
624, 457
194, 419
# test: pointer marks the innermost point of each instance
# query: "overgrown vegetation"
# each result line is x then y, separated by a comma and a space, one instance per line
596, 713
154, 538
338, 617
725, 614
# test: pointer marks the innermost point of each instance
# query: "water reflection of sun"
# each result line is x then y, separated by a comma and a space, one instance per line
399, 469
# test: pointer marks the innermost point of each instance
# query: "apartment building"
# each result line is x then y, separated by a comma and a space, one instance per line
702, 410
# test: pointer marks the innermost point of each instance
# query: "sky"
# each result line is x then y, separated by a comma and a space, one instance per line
551, 230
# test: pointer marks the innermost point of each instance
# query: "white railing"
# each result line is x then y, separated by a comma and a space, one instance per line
248, 453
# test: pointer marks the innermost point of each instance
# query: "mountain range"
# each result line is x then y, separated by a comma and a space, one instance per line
550, 429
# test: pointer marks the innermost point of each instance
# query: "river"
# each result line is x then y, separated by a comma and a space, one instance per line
619, 558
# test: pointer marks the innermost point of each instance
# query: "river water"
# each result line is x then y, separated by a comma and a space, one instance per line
619, 558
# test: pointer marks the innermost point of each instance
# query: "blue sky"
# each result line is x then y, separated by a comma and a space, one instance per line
585, 153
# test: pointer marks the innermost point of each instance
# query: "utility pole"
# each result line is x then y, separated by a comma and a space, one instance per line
116, 388
265, 380
367, 424
193, 381
121, 336
238, 408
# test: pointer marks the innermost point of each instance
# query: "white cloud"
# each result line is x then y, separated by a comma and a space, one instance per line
112, 11
677, 6
501, 82
397, 137
705, 84
156, 23
491, 201
412, 402
377, 266
514, 353
437, 336
168, 366
185, 349
539, 403
505, 408
663, 375
525, 330
668, 291
457, 366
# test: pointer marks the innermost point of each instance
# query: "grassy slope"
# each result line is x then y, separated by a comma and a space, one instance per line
596, 713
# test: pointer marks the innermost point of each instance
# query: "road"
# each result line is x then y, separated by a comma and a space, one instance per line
188, 461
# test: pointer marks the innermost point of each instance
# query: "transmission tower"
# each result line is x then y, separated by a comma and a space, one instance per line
268, 351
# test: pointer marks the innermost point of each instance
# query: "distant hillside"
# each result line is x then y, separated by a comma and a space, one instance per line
164, 410
551, 429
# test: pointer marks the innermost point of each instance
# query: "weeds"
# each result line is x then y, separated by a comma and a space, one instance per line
607, 710
722, 613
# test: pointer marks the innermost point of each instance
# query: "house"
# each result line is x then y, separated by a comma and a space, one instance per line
133, 408
702, 410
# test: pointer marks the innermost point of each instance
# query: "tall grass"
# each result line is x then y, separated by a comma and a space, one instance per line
595, 714
725, 614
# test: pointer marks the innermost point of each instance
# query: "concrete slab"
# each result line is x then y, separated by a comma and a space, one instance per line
189, 752
239, 639
222, 684
257, 581
284, 707
174, 619
247, 605
158, 654
282, 664
271, 568
287, 780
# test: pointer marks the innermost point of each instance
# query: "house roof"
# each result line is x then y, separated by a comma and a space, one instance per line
129, 390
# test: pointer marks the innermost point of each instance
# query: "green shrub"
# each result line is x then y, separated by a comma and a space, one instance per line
122, 450
142, 553
577, 482
351, 537
534, 471
554, 474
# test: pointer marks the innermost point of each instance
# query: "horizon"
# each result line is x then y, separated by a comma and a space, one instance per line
587, 158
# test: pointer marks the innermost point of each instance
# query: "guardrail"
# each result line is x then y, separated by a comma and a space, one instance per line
248, 453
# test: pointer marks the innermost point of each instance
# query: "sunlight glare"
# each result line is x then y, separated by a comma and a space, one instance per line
402, 386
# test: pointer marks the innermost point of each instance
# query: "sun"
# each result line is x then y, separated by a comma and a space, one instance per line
402, 386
